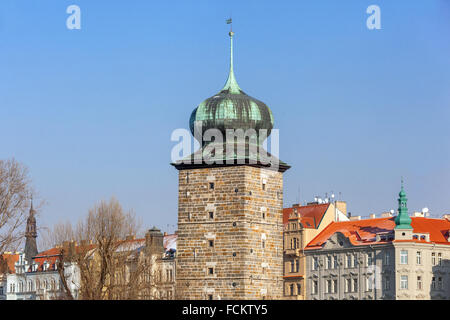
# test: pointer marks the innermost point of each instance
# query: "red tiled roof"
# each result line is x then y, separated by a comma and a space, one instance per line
363, 232
310, 216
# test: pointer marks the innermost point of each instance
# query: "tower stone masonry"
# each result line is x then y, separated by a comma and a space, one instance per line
230, 228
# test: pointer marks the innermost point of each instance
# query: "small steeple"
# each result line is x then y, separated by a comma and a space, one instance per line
403, 220
231, 85
31, 235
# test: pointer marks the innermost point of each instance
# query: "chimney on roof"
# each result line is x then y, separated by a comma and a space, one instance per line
295, 205
354, 218
373, 216
446, 217
341, 206
154, 241
386, 214
418, 214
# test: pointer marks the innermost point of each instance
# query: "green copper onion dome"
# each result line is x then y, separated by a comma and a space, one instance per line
403, 220
231, 108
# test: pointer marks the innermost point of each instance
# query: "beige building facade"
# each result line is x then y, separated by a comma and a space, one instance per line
301, 225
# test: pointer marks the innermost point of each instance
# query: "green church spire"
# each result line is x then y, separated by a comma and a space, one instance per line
231, 85
402, 221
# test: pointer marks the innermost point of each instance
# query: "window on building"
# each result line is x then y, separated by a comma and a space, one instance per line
315, 286
329, 286
211, 215
355, 285
387, 283
211, 185
1, 291
419, 257
291, 289
264, 186
299, 288
210, 296
433, 283
315, 263
263, 243
349, 261
292, 265
30, 286
404, 282
335, 286
433, 259
387, 258
297, 265
211, 243
419, 283
439, 283
440, 259
210, 271
335, 262
403, 257
355, 261
348, 285
329, 262
369, 259
263, 215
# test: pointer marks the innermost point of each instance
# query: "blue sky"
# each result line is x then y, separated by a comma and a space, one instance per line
91, 111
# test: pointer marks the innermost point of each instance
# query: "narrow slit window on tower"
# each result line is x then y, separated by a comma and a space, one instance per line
211, 243
264, 182
211, 185
210, 271
211, 215
210, 296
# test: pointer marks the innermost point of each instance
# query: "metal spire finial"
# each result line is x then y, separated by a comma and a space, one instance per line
231, 85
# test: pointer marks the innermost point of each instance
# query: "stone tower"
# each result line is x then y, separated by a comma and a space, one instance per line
31, 235
230, 230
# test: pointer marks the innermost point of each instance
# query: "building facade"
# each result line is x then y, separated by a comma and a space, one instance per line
381, 259
301, 225
230, 230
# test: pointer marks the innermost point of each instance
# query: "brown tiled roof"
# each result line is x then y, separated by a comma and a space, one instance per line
310, 215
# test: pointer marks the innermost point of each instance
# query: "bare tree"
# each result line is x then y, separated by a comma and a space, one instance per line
107, 255
15, 194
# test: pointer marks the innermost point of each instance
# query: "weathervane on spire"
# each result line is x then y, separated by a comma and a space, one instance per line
230, 22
